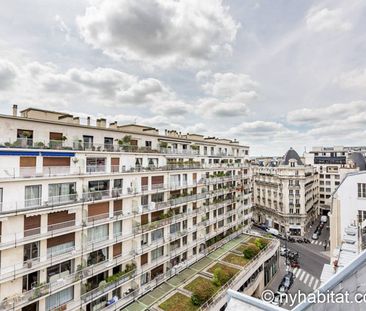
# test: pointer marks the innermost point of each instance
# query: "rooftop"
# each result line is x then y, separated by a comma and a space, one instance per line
177, 290
291, 154
66, 119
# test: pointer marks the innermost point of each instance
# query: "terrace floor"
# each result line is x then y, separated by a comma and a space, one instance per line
171, 286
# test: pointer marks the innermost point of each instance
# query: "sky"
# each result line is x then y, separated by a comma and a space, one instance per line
272, 74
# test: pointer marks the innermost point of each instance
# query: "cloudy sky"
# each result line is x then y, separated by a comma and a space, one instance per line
273, 74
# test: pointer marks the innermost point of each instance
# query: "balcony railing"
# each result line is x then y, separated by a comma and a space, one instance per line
28, 172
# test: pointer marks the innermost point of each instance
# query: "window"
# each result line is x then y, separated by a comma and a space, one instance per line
153, 162
31, 251
59, 193
95, 165
58, 271
56, 140
148, 144
24, 138
97, 256
175, 227
59, 298
175, 181
117, 228
361, 190
157, 234
118, 183
33, 195
144, 278
98, 185
156, 253
138, 163
108, 143
144, 200
88, 141
144, 239
98, 233
157, 197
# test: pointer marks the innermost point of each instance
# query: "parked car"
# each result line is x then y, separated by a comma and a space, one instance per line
272, 231
282, 289
261, 226
288, 280
315, 236
324, 218
283, 251
293, 255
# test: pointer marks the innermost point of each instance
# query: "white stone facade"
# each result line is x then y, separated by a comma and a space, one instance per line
92, 212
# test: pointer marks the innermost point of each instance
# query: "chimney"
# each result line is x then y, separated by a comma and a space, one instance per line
88, 121
113, 125
15, 110
98, 123
102, 122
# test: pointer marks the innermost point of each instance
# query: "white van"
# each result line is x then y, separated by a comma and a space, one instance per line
324, 219
272, 231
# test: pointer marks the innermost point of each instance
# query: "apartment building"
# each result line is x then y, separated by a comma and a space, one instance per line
333, 164
285, 194
347, 224
92, 216
349, 209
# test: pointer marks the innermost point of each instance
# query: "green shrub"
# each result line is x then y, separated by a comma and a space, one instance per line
202, 293
260, 243
221, 276
250, 251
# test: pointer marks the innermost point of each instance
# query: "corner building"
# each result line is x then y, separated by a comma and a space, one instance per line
94, 212
286, 194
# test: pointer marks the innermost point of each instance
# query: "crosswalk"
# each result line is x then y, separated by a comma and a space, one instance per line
306, 278
316, 242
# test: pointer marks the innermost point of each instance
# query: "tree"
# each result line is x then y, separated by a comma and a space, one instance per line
251, 251
221, 276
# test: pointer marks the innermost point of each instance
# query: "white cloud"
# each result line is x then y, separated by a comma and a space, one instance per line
228, 84
228, 94
159, 32
355, 79
62, 27
258, 128
324, 19
42, 84
213, 107
328, 114
7, 74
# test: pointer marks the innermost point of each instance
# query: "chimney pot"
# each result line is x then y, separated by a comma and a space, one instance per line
15, 110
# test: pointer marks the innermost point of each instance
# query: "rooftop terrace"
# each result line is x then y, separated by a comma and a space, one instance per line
175, 294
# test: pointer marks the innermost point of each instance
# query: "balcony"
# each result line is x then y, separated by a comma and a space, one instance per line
92, 169
111, 282
28, 172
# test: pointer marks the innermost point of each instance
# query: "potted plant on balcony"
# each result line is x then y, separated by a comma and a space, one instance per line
125, 142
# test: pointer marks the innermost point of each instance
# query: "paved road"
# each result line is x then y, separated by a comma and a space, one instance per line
312, 257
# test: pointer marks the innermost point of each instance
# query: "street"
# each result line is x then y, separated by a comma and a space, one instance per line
312, 257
